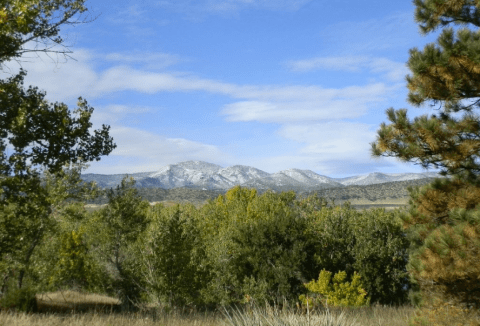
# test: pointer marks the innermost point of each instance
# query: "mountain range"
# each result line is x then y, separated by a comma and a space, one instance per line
209, 176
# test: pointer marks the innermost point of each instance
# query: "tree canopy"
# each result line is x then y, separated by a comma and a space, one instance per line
36, 136
24, 21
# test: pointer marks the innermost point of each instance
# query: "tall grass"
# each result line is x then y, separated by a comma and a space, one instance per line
287, 316
251, 315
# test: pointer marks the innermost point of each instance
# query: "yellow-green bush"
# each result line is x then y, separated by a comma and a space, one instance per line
340, 293
75, 265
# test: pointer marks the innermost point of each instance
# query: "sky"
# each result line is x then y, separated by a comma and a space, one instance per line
272, 84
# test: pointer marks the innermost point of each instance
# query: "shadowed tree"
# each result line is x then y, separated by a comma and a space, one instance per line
118, 226
444, 217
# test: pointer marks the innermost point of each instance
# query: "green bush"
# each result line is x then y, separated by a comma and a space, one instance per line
19, 299
75, 266
255, 246
372, 243
113, 230
165, 256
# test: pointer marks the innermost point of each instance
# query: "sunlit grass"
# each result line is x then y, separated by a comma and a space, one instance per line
77, 309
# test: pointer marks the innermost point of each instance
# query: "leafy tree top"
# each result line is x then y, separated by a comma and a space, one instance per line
23, 21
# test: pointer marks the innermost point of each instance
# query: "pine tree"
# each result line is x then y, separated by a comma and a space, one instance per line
444, 217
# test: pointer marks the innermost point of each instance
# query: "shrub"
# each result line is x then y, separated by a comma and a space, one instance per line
255, 246
340, 293
75, 266
19, 299
371, 243
165, 256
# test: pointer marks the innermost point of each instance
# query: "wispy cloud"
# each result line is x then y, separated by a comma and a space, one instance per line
370, 36
133, 19
140, 151
393, 71
128, 15
304, 112
310, 104
264, 103
148, 60
351, 64
330, 148
198, 8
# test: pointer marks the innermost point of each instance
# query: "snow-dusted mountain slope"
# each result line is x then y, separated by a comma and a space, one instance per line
203, 175
376, 177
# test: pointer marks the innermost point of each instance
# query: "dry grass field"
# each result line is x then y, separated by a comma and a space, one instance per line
71, 308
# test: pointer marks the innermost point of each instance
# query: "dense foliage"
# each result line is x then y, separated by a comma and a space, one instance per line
43, 137
443, 218
167, 256
236, 248
336, 292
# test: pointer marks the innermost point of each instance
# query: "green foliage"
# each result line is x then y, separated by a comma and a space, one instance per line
442, 220
75, 267
114, 229
371, 243
449, 256
26, 227
255, 246
19, 299
166, 256
43, 136
339, 292
432, 14
20, 19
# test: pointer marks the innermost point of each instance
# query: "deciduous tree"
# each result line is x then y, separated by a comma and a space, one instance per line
40, 136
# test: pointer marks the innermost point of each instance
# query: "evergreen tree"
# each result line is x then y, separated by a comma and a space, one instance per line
117, 227
166, 256
444, 217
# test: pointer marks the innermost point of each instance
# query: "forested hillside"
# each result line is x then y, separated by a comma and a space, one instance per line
375, 192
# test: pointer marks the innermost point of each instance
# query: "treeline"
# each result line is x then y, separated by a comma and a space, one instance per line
374, 192
238, 247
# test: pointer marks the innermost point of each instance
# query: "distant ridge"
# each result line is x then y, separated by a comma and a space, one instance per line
209, 176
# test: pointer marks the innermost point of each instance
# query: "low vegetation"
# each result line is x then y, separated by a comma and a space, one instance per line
230, 261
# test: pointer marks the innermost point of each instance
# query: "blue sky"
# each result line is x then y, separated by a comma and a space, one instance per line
273, 84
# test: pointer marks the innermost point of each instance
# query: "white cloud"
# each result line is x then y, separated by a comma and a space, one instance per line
139, 143
307, 104
140, 151
199, 8
345, 63
299, 108
265, 103
114, 114
333, 147
149, 60
390, 70
128, 15
332, 138
394, 71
